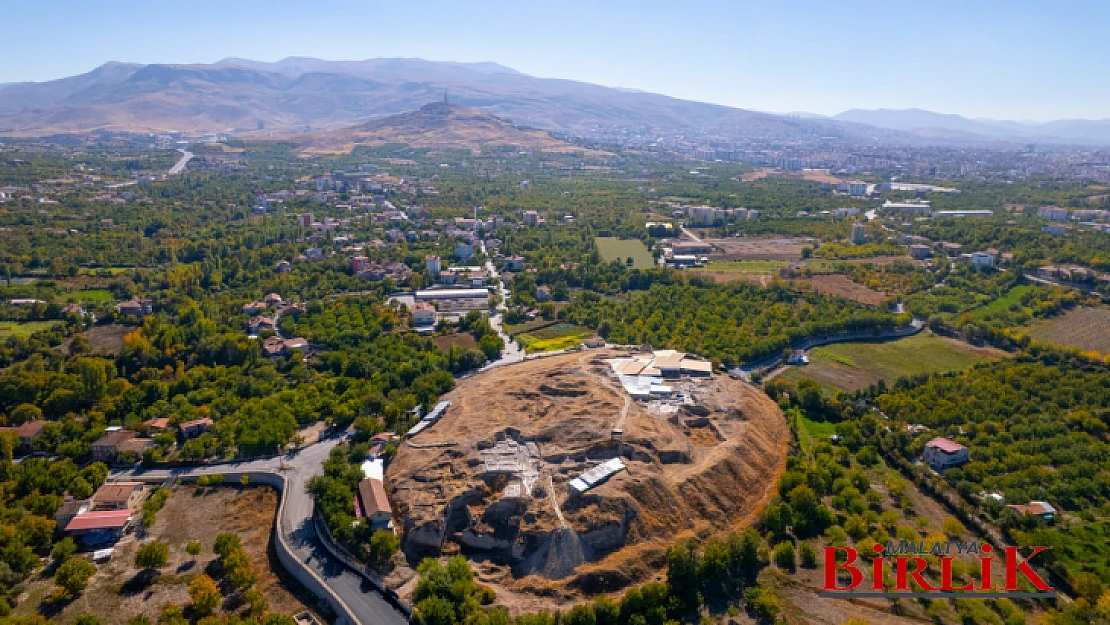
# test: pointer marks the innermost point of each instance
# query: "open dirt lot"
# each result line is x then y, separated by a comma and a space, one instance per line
744, 248
116, 594
815, 175
693, 469
840, 285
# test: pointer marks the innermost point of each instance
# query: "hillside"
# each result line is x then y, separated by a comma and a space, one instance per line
697, 470
438, 126
302, 95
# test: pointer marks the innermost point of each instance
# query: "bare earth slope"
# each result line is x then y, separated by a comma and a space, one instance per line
439, 125
694, 470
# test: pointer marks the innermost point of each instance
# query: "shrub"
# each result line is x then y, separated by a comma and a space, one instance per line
193, 548
205, 594
808, 555
64, 549
784, 556
152, 555
74, 574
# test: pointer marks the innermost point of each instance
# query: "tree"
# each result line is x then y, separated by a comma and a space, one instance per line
226, 542
435, 611
63, 549
87, 619
784, 556
257, 602
383, 544
808, 555
239, 570
152, 556
682, 575
74, 574
205, 595
193, 548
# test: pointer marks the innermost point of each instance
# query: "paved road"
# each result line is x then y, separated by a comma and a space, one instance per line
512, 352
361, 597
179, 166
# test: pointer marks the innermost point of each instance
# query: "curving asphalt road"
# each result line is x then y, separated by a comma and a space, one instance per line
361, 597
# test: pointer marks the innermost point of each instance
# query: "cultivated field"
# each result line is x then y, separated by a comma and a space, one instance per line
1009, 298
758, 271
464, 340
853, 366
1085, 327
554, 337
118, 591
108, 339
612, 248
840, 285
743, 248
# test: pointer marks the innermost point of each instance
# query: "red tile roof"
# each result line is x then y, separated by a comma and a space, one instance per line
371, 495
945, 445
107, 519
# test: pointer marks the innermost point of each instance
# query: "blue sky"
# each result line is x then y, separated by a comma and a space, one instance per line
980, 58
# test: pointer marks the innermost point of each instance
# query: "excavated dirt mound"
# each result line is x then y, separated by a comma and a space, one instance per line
705, 465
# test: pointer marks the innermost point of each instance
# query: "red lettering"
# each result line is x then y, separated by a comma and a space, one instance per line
1013, 566
985, 569
831, 567
877, 568
901, 574
946, 576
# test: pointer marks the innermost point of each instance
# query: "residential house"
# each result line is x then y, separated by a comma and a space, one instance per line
532, 218
118, 496
920, 252
982, 260
156, 425
136, 308
942, 453
196, 427
543, 294
253, 308
1041, 509
272, 299
104, 449
513, 263
433, 264
423, 314
284, 266
1053, 213
27, 433
134, 448
372, 504
100, 527
70, 508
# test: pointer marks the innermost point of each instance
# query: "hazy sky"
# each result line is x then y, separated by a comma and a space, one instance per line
1015, 59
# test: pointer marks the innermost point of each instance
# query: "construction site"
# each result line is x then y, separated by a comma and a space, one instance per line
551, 477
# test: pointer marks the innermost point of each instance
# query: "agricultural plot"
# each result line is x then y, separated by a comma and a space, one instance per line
88, 296
22, 329
839, 285
853, 366
1085, 327
1011, 297
558, 336
612, 248
756, 249
728, 270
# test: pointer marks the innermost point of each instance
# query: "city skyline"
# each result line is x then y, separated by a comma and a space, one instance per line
1017, 61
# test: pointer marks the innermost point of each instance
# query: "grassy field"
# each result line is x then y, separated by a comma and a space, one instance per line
742, 266
26, 328
87, 296
558, 336
612, 248
1085, 327
1010, 298
852, 366
512, 329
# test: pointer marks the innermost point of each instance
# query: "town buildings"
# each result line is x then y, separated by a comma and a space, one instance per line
942, 454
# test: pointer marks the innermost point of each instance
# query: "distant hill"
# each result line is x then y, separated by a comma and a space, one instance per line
928, 123
298, 95
303, 94
439, 126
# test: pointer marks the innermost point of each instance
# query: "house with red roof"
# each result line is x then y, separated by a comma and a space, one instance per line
944, 453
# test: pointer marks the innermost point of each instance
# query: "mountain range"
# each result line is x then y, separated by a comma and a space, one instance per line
923, 123
299, 95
